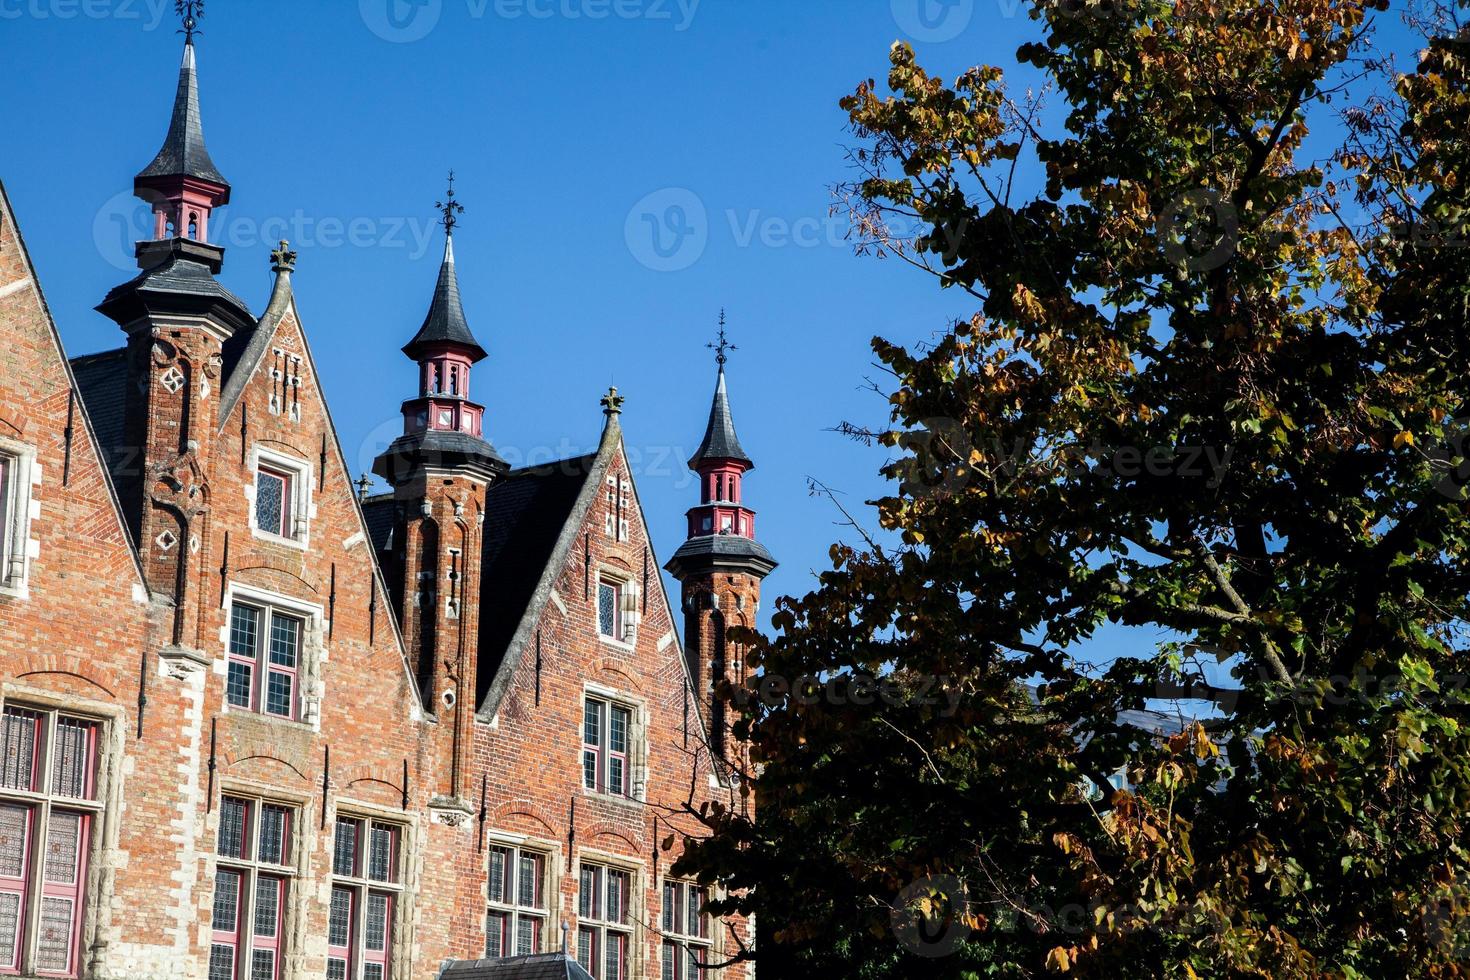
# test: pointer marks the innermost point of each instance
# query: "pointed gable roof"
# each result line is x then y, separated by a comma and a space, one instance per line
445, 323
531, 521
183, 153
92, 438
720, 441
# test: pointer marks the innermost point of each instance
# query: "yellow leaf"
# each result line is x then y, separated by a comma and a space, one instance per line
1058, 960
1403, 439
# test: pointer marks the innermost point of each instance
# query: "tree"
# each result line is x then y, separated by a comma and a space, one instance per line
1215, 387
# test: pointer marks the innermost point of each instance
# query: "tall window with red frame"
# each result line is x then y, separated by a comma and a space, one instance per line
264, 660
6, 467
604, 923
367, 890
686, 945
252, 890
48, 808
515, 924
607, 733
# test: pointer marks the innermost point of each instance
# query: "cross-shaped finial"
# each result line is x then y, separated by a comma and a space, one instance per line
724, 345
283, 259
189, 11
450, 207
364, 483
612, 403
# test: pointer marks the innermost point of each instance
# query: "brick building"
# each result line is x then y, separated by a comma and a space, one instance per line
255, 725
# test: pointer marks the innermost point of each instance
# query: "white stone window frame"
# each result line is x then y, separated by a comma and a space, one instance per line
97, 895
637, 742
19, 507
400, 958
710, 943
630, 613
313, 654
636, 929
552, 873
303, 506
296, 871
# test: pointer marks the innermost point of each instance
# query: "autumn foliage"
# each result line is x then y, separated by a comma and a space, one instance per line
1230, 231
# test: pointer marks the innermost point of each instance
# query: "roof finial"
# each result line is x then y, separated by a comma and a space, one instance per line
450, 207
189, 11
364, 484
612, 403
283, 259
724, 345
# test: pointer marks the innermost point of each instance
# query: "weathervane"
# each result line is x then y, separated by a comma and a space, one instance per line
724, 345
450, 207
190, 11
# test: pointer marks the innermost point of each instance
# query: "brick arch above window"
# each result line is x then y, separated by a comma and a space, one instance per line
67, 665
504, 816
607, 831
612, 667
275, 575
273, 763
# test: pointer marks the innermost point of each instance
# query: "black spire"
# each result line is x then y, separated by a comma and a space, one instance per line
183, 153
445, 323
720, 441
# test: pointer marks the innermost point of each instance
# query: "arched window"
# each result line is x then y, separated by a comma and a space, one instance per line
453, 380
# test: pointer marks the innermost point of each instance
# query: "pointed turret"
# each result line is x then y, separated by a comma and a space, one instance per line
720, 441
721, 565
183, 153
441, 470
441, 425
182, 183
721, 525
445, 323
178, 319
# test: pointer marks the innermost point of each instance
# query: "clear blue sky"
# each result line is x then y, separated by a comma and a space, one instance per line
577, 128
559, 118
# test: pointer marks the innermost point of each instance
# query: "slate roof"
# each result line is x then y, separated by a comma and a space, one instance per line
542, 966
102, 381
179, 273
377, 513
525, 514
726, 549
720, 441
445, 322
183, 152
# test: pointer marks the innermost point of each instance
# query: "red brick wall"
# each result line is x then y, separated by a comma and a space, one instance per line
88, 634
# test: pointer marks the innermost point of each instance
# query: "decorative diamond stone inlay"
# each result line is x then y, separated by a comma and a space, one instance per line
166, 540
172, 380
